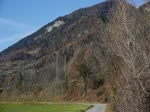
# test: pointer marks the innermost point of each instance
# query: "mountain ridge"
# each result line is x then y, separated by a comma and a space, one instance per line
83, 12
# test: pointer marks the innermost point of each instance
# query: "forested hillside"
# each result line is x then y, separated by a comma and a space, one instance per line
95, 54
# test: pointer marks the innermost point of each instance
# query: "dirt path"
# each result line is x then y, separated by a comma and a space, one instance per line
97, 108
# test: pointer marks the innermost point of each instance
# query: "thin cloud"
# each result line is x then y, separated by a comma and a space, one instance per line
4, 21
10, 40
5, 40
15, 37
15, 30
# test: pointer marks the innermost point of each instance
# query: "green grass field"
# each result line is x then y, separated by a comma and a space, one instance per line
42, 107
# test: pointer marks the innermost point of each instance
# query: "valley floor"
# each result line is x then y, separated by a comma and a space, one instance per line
26, 107
50, 107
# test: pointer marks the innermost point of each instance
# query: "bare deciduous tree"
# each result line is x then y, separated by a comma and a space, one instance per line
131, 92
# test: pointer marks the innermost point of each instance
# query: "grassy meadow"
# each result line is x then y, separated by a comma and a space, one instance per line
20, 107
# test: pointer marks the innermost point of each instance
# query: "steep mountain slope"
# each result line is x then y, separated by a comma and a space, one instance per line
41, 58
100, 53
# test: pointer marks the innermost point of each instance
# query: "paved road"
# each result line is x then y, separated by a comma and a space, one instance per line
98, 108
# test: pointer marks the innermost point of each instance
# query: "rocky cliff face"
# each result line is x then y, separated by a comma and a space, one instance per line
99, 53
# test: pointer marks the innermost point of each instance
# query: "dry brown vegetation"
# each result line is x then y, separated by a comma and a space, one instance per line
101, 54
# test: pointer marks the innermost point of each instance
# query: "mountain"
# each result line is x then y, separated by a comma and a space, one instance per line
100, 53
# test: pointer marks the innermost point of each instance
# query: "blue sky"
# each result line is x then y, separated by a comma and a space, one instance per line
19, 18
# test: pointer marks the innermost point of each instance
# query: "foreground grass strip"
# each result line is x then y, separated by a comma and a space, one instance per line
42, 107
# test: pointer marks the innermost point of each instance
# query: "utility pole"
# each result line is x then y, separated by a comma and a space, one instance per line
57, 67
65, 67
31, 82
8, 83
23, 76
66, 78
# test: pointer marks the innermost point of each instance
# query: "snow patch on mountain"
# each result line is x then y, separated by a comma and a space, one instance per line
56, 24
